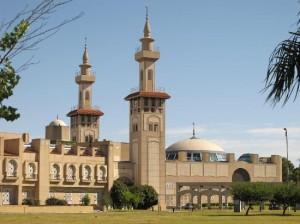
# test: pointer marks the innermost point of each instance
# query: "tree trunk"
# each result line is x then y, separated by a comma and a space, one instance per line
248, 209
284, 209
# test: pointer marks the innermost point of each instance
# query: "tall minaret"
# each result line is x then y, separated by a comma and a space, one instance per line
85, 119
147, 120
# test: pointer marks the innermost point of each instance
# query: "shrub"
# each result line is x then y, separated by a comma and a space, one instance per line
85, 200
141, 197
55, 201
28, 201
117, 194
149, 197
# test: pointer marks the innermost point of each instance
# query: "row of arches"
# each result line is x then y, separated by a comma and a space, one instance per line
86, 172
209, 193
12, 169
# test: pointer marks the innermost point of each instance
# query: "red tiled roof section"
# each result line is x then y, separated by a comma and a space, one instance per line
161, 95
81, 111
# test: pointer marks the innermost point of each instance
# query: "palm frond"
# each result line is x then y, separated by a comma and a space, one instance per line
283, 74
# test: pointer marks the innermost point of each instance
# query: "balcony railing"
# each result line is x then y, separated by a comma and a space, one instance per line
139, 48
55, 178
71, 179
11, 176
158, 89
31, 177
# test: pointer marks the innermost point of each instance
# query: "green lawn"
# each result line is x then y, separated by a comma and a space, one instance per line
145, 217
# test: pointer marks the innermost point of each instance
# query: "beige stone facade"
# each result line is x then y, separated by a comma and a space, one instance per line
71, 162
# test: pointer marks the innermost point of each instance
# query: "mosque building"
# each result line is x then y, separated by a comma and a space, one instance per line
71, 161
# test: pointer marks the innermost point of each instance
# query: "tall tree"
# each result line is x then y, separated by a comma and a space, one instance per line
286, 195
283, 74
23, 33
288, 165
251, 193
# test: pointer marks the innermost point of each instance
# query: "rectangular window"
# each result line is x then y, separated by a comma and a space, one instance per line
95, 198
189, 156
146, 102
82, 119
134, 127
155, 127
150, 74
153, 102
160, 102
68, 198
150, 127
196, 157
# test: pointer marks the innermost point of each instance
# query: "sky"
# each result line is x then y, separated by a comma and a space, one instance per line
214, 57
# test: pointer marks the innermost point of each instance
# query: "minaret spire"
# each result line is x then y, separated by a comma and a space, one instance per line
147, 29
85, 57
85, 112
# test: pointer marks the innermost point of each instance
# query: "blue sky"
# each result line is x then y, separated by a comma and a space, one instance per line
214, 56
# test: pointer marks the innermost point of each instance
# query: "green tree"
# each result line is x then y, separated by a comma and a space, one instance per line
286, 195
8, 76
251, 193
285, 166
23, 33
149, 197
137, 196
283, 74
117, 194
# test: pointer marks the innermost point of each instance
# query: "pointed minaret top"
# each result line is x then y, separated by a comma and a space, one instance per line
85, 57
147, 29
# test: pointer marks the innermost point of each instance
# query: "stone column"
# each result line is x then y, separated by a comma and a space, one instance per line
110, 165
42, 147
19, 194
275, 159
205, 157
208, 201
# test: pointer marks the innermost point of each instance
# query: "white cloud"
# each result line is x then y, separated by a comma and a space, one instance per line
263, 147
292, 131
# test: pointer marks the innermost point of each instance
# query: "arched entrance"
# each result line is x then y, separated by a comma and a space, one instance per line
240, 175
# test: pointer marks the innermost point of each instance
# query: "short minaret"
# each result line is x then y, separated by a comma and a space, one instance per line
85, 119
147, 120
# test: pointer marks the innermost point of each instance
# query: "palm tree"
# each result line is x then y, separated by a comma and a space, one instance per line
283, 75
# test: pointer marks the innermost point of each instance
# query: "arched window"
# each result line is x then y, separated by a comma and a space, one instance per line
55, 172
102, 173
240, 175
80, 96
71, 172
31, 170
87, 95
150, 74
141, 75
86, 175
12, 168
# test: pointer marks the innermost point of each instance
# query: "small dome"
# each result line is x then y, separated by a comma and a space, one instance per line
57, 122
195, 144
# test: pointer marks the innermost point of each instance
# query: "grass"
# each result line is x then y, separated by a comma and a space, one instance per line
149, 217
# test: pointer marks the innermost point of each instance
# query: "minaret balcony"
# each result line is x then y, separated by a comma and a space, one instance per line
85, 78
144, 54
